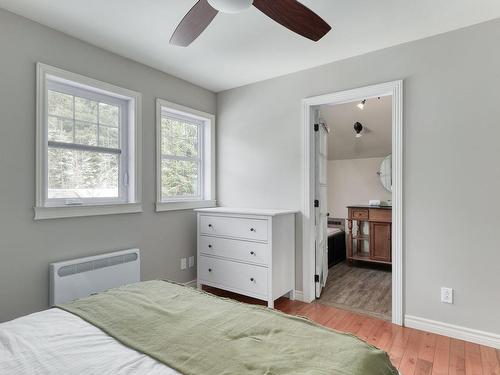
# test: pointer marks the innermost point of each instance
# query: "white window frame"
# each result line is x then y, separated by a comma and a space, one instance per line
199, 159
129, 199
206, 138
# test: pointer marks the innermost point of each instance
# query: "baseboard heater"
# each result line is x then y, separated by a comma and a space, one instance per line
78, 278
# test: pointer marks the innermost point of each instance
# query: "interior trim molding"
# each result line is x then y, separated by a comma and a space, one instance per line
44, 213
184, 205
394, 88
208, 151
451, 330
299, 295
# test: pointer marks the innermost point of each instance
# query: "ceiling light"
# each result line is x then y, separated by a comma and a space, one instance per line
358, 128
362, 104
230, 6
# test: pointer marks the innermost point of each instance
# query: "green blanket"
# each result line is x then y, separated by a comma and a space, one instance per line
200, 334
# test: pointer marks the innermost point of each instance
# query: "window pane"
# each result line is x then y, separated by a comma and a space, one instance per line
108, 137
85, 110
109, 115
82, 174
60, 104
179, 138
60, 130
85, 133
179, 178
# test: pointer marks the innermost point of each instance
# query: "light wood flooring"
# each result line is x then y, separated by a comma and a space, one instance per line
412, 351
361, 288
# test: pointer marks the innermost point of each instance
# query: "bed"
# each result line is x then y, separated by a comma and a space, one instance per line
336, 242
159, 327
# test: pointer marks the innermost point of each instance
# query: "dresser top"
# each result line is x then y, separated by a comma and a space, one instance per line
246, 211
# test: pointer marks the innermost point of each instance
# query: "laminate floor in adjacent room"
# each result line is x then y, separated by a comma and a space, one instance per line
361, 288
412, 351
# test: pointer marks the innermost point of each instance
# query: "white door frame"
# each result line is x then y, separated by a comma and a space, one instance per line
395, 89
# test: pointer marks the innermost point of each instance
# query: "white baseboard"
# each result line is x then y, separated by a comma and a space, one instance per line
191, 284
457, 332
299, 295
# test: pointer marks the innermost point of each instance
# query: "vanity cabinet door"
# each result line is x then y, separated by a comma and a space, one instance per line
380, 241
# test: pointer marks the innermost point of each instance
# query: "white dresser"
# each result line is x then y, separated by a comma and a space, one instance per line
247, 251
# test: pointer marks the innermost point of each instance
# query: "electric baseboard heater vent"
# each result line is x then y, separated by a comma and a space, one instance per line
78, 278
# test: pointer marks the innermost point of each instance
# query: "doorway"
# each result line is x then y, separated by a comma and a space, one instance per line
358, 205
315, 254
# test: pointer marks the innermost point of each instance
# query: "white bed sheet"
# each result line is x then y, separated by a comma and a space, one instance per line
331, 231
57, 342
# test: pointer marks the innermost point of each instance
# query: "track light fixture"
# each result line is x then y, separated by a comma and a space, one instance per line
358, 128
361, 105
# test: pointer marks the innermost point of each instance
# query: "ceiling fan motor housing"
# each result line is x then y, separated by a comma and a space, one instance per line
230, 6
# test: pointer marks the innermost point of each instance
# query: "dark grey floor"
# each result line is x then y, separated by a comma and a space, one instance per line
359, 288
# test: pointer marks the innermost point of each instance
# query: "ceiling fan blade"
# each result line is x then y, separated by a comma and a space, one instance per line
193, 24
294, 16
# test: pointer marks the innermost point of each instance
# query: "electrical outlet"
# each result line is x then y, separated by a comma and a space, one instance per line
183, 264
191, 262
446, 295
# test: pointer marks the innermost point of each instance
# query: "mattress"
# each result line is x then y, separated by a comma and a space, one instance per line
57, 342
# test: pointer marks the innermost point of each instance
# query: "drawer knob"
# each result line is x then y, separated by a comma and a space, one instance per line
210, 225
252, 229
209, 246
252, 252
209, 270
252, 279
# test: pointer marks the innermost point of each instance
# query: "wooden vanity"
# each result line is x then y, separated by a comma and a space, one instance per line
379, 220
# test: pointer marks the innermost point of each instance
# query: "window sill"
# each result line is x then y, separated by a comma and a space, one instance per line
184, 205
43, 213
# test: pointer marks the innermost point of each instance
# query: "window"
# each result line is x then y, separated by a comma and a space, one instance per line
185, 158
87, 137
181, 157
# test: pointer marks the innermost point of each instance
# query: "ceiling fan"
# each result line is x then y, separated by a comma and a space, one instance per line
289, 13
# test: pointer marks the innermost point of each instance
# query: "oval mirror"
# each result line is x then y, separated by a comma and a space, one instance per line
385, 173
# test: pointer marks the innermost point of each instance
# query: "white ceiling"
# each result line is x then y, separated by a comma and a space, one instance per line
237, 49
376, 119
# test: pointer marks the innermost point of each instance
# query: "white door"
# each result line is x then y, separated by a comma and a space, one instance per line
320, 203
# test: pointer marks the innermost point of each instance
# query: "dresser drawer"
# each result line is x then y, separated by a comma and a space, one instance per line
381, 215
240, 277
359, 213
252, 229
252, 252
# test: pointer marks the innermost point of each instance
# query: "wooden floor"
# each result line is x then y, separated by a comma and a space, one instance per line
413, 352
361, 288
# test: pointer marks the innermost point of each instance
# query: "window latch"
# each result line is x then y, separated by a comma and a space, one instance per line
125, 179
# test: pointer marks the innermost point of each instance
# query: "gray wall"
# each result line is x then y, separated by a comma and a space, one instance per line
27, 246
451, 168
353, 181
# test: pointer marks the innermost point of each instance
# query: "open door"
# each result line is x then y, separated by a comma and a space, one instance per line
320, 203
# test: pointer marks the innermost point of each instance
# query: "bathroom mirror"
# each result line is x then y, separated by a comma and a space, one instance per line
385, 172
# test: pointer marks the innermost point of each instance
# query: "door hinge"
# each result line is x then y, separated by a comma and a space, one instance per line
316, 127
316, 278
316, 203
